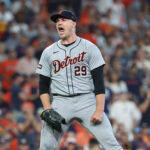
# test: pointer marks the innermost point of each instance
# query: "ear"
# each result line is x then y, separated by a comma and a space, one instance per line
74, 24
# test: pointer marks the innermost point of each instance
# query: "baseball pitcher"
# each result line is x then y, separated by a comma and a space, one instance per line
72, 69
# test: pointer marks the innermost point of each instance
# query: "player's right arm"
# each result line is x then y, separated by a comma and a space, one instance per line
44, 83
45, 98
43, 70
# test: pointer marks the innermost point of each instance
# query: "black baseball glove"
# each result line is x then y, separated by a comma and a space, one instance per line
53, 119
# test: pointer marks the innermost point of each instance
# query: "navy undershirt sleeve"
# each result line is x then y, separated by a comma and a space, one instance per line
98, 80
44, 84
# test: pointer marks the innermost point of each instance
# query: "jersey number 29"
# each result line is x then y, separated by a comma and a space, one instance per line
80, 70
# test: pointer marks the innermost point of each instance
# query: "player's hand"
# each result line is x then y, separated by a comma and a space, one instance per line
97, 117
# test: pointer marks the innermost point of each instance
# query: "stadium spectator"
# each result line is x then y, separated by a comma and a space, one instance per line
22, 46
137, 143
8, 68
28, 124
144, 107
118, 15
5, 15
133, 80
3, 105
125, 141
10, 130
3, 56
125, 112
71, 144
30, 88
12, 40
120, 28
28, 63
17, 94
23, 144
93, 145
108, 96
103, 6
146, 134
116, 84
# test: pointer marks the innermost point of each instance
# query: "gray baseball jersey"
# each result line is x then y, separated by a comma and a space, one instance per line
69, 67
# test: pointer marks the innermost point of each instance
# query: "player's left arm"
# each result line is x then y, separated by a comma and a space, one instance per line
96, 64
98, 81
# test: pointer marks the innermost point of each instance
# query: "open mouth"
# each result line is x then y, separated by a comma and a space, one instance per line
60, 29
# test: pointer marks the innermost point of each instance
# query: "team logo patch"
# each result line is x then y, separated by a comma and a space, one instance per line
39, 66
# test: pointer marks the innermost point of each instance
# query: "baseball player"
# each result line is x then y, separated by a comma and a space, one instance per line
72, 69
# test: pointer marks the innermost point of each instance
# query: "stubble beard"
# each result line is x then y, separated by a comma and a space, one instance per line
63, 37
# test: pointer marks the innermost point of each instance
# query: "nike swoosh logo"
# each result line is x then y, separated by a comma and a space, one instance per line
55, 52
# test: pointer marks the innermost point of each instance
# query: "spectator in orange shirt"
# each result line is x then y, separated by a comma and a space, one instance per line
8, 68
31, 90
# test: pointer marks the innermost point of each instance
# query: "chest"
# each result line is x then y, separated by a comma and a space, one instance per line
66, 59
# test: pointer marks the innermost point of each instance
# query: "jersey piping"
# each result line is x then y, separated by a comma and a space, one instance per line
66, 67
70, 65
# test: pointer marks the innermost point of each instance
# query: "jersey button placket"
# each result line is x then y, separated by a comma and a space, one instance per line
69, 74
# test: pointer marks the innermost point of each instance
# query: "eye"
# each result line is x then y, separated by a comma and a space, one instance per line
57, 20
63, 19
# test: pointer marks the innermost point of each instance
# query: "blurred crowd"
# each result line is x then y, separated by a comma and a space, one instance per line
120, 28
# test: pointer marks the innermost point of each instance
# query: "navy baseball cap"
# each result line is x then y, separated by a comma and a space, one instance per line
64, 14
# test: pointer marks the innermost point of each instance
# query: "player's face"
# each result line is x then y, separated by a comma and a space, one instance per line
65, 27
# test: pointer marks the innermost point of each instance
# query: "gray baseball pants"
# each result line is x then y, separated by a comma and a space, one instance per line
83, 107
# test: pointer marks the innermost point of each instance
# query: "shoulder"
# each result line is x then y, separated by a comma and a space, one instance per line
88, 43
50, 47
49, 50
91, 47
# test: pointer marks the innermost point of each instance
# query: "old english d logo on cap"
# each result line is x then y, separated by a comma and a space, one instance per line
65, 14
60, 12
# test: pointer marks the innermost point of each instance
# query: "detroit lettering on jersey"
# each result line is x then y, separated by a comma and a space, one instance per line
68, 61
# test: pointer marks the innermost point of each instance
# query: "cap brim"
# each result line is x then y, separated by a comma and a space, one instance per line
55, 17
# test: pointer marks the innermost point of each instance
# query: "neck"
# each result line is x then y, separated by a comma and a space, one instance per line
69, 40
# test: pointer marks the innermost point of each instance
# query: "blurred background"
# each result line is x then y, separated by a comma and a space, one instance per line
120, 28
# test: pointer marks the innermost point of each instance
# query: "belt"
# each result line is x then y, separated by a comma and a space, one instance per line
73, 95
